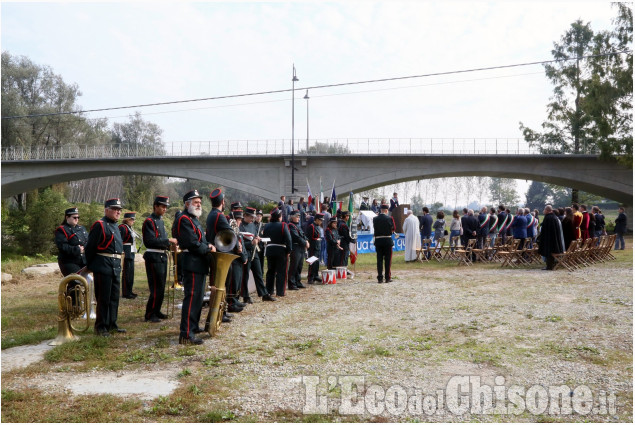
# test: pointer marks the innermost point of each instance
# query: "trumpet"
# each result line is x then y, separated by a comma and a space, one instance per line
73, 303
256, 247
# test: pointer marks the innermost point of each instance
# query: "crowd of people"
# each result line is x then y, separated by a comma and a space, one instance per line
290, 237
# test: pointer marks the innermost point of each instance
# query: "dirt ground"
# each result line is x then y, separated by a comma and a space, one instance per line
433, 345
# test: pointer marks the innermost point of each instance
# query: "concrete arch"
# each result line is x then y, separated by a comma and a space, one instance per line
269, 177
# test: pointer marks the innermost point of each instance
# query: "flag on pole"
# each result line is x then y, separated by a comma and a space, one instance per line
350, 208
352, 245
333, 200
319, 202
308, 189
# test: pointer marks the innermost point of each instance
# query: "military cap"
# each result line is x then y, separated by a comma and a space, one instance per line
319, 216
333, 220
345, 213
236, 206
250, 211
191, 195
162, 200
237, 213
259, 212
131, 214
71, 211
275, 213
294, 213
217, 197
113, 203
384, 206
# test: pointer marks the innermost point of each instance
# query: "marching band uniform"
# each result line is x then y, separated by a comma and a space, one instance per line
277, 253
103, 256
296, 259
68, 240
261, 244
332, 248
345, 239
235, 275
384, 227
314, 234
253, 262
156, 240
194, 248
128, 236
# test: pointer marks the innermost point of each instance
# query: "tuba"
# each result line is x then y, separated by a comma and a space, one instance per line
224, 241
73, 303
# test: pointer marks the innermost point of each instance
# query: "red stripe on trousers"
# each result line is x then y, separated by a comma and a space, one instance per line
189, 309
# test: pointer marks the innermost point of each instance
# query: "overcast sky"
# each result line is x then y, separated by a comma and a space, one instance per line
126, 53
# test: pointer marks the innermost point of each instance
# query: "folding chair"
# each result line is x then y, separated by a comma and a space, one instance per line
564, 259
422, 254
481, 253
465, 254
510, 253
449, 250
437, 252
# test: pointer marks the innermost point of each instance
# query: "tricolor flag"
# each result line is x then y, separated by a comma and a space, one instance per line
333, 200
319, 202
350, 208
308, 189
352, 245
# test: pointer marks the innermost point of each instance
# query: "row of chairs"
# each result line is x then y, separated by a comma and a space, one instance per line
584, 253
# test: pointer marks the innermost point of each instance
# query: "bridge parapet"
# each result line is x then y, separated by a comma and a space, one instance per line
314, 147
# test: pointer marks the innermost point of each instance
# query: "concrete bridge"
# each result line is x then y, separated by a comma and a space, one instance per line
269, 175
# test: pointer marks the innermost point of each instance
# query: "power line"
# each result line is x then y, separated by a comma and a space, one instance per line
321, 86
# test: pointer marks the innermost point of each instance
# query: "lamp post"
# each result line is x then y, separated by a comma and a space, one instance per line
293, 80
306, 96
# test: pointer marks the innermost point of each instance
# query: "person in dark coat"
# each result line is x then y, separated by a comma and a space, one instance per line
384, 227
299, 246
314, 235
103, 257
568, 227
502, 222
394, 203
157, 243
345, 238
551, 240
333, 247
620, 229
278, 250
599, 222
128, 236
195, 249
253, 261
519, 227
483, 227
71, 239
425, 226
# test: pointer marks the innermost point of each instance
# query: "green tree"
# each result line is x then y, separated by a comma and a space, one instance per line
538, 195
138, 135
503, 191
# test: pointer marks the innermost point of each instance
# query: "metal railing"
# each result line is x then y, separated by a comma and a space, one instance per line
386, 146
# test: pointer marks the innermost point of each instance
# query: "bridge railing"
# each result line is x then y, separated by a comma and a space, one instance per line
350, 146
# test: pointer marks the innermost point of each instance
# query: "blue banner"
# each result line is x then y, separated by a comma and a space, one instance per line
365, 243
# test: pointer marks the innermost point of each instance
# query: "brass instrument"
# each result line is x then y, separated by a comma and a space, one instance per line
73, 304
256, 247
170, 290
224, 241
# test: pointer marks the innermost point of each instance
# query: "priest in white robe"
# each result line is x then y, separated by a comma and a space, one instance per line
413, 236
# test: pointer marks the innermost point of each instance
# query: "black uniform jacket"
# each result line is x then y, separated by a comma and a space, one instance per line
192, 241
155, 237
383, 226
126, 237
345, 233
314, 236
68, 240
298, 239
104, 237
279, 234
216, 221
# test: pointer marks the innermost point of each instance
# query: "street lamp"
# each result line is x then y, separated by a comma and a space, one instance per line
293, 80
306, 96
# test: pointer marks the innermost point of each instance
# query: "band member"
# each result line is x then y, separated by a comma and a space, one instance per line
194, 248
299, 245
278, 251
156, 240
235, 275
314, 234
253, 262
128, 237
261, 244
333, 247
217, 222
345, 238
384, 226
103, 256
70, 239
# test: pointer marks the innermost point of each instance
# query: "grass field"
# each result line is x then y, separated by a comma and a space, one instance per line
434, 322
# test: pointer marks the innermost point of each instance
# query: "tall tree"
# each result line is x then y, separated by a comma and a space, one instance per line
503, 191
138, 135
538, 195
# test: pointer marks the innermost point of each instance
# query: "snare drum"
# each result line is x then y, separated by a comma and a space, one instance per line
326, 277
341, 272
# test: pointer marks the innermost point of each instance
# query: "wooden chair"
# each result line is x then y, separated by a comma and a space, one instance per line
481, 253
510, 252
465, 254
449, 250
565, 259
422, 254
437, 251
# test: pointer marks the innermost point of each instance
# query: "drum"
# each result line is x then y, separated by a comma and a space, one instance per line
341, 272
326, 277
